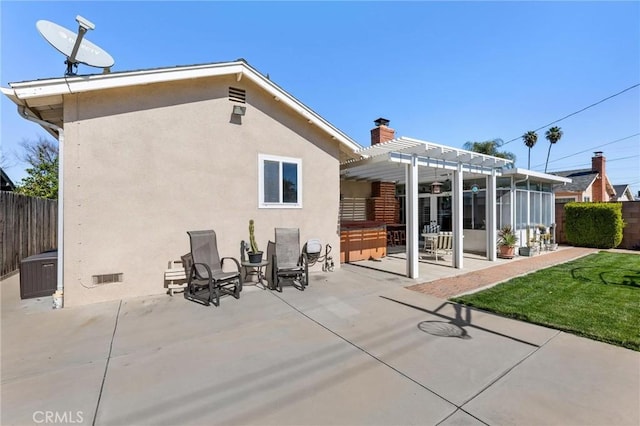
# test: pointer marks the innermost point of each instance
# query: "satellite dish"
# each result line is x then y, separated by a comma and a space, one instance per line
72, 45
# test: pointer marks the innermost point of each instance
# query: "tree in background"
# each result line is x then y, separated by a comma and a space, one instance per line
530, 138
491, 148
4, 161
42, 179
553, 135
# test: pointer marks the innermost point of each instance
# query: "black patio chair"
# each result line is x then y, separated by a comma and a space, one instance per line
206, 281
289, 262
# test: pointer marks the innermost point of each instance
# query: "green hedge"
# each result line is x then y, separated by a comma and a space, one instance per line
597, 225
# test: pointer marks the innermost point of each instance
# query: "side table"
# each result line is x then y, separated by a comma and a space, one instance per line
255, 269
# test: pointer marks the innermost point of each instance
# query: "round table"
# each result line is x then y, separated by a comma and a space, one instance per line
254, 269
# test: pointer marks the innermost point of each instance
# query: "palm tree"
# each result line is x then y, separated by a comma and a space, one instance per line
491, 148
530, 138
553, 135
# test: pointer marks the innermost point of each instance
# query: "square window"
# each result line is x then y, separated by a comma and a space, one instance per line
280, 184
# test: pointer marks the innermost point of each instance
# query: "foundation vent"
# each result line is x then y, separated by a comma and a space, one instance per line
237, 95
108, 278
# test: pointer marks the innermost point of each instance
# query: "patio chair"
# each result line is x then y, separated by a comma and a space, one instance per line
443, 244
430, 235
206, 280
432, 228
288, 261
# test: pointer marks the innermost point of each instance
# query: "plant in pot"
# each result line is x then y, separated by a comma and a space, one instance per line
552, 238
255, 255
531, 248
542, 230
507, 240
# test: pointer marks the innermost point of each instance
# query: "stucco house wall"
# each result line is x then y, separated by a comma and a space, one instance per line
145, 164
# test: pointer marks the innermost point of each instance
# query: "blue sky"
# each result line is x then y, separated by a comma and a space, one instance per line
445, 72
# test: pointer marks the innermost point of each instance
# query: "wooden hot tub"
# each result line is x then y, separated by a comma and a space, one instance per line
361, 240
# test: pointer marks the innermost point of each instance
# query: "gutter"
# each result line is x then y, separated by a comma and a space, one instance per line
58, 296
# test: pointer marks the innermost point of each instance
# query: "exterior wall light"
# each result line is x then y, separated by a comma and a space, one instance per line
239, 110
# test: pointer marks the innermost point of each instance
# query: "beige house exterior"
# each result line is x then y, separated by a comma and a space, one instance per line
149, 155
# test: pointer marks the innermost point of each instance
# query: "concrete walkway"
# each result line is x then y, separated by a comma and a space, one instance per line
355, 348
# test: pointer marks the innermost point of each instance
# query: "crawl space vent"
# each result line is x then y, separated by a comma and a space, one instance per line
108, 278
237, 95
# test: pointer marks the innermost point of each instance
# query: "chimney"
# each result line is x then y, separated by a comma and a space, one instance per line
382, 133
599, 186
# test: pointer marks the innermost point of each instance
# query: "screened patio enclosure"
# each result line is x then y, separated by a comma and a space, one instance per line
478, 193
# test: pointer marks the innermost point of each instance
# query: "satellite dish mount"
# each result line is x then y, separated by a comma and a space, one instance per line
84, 25
74, 46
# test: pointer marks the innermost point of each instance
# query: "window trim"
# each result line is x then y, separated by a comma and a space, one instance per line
279, 205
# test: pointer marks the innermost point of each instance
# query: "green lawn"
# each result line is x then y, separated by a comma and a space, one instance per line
597, 296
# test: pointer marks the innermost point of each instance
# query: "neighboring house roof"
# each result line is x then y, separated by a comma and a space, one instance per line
44, 98
580, 180
623, 192
6, 184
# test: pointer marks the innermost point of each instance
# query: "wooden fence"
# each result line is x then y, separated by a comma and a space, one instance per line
29, 226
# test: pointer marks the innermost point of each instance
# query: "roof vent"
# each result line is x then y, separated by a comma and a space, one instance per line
237, 95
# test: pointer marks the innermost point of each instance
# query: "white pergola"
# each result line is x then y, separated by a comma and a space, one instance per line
412, 161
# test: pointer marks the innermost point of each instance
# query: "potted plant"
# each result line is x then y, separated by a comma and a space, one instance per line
530, 249
255, 255
507, 240
552, 238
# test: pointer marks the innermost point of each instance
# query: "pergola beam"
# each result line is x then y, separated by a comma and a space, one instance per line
398, 157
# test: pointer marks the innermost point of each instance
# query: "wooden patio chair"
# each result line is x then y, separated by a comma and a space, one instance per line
442, 245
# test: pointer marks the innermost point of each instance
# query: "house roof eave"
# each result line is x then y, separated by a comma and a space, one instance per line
47, 93
545, 177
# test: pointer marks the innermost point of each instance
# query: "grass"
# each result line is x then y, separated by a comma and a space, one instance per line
597, 296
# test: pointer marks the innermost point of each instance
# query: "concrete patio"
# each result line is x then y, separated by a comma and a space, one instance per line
355, 348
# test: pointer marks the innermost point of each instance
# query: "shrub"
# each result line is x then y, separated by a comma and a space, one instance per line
597, 225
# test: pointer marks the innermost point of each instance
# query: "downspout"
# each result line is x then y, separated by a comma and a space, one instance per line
58, 297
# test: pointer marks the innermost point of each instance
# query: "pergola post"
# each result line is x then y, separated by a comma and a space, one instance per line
491, 222
412, 217
457, 225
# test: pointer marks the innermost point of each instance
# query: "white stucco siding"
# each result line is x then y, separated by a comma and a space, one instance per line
145, 165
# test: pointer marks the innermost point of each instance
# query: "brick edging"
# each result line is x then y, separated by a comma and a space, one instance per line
446, 288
